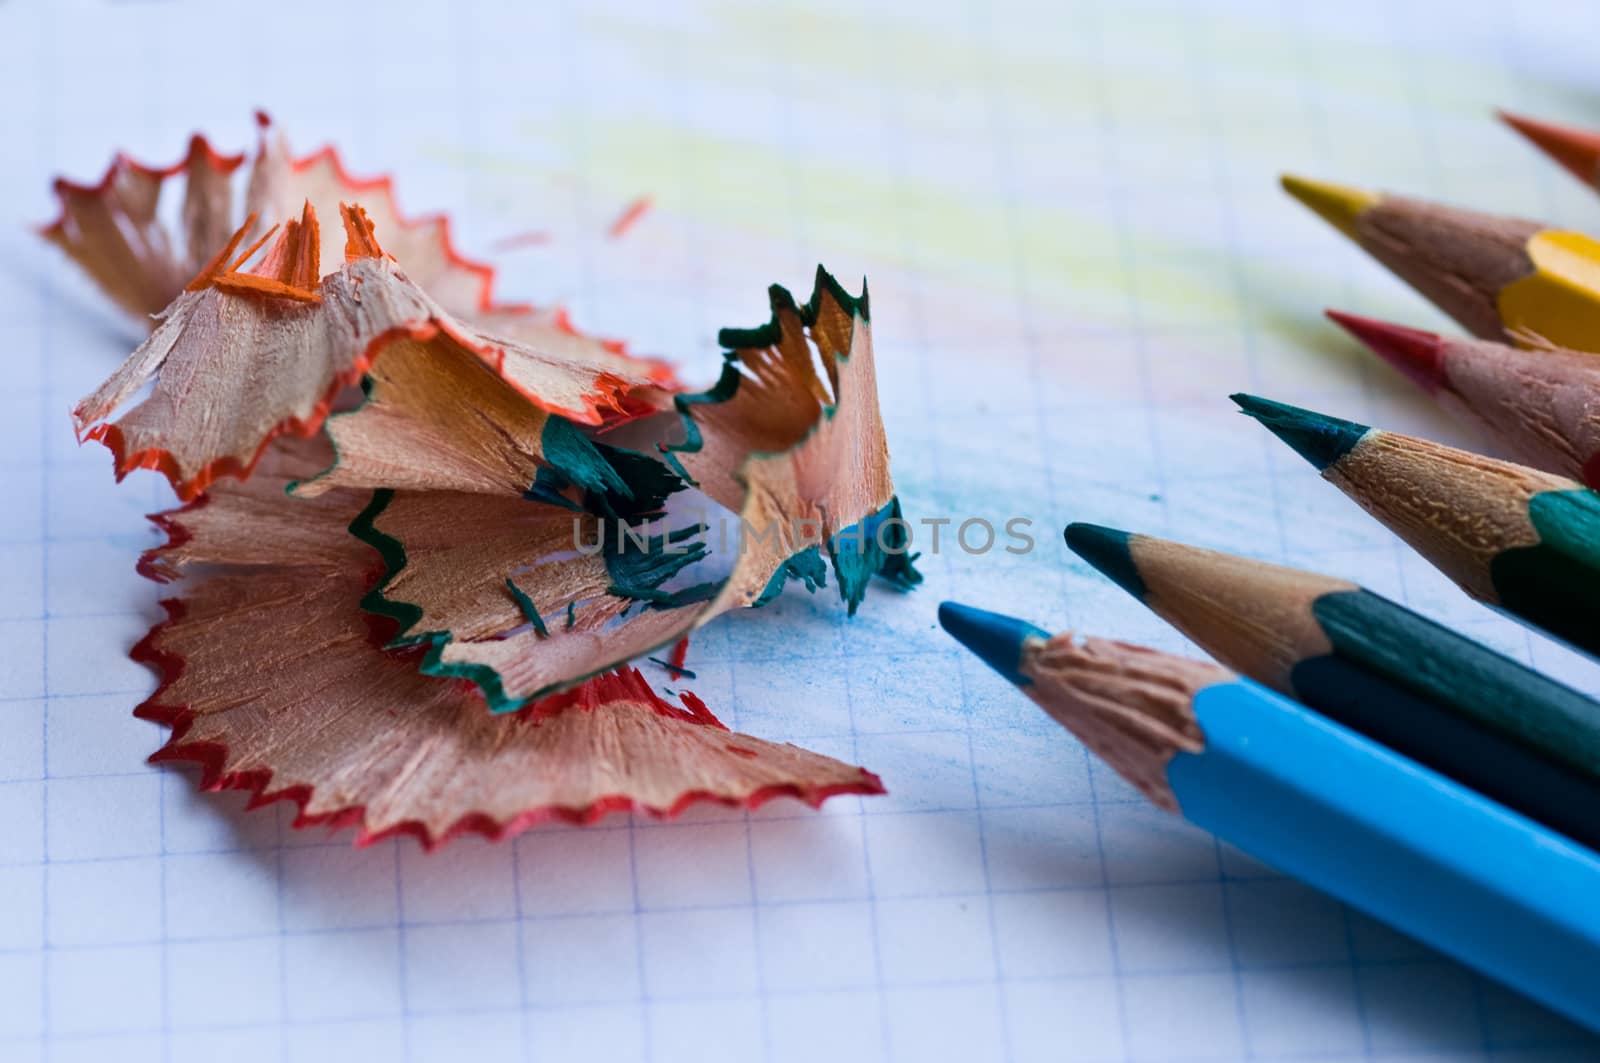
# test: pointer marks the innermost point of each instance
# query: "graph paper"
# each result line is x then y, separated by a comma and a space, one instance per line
1068, 218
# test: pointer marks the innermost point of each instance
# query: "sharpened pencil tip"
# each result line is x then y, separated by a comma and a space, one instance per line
996, 638
1109, 551
1417, 354
1316, 437
1576, 150
1338, 205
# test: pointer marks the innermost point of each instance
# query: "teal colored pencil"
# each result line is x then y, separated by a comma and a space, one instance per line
1510, 536
1376, 667
1410, 847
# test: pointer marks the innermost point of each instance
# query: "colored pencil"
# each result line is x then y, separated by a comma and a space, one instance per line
1502, 278
1380, 832
1376, 667
1543, 406
1510, 536
1577, 150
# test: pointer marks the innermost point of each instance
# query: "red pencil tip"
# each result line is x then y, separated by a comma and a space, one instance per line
1417, 354
1577, 150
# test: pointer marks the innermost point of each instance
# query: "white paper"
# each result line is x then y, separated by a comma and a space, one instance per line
1076, 249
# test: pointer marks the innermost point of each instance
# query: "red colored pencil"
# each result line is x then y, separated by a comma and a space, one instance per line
1543, 405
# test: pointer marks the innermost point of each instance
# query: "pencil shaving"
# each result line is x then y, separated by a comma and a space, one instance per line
799, 455
111, 229
339, 586
273, 681
798, 452
454, 561
435, 417
249, 353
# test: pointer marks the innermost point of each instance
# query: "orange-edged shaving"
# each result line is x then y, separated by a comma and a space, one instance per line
116, 231
360, 239
289, 269
249, 353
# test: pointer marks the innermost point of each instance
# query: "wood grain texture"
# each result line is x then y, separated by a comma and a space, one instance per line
1253, 617
275, 681
1543, 405
1459, 259
1459, 510
1130, 705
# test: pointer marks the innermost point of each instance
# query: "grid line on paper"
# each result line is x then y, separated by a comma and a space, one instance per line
537, 1007
1127, 261
45, 124
1315, 113
1431, 165
1246, 339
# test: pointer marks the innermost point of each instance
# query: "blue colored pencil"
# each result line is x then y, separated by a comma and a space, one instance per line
1408, 846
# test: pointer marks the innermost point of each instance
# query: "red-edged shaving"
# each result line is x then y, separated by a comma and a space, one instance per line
388, 751
113, 231
273, 681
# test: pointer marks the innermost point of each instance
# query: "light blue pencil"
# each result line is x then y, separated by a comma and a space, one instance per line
1404, 844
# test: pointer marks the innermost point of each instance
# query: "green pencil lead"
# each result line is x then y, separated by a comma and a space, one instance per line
997, 639
1316, 437
876, 546
525, 606
566, 448
1108, 551
677, 670
806, 566
638, 572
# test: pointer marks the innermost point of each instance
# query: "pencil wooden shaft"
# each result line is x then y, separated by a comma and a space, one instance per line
1378, 668
1545, 405
1490, 887
1460, 260
1459, 510
1397, 841
1458, 747
1508, 535
1431, 662
1501, 278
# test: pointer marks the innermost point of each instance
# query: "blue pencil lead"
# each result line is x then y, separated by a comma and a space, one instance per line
994, 637
1316, 437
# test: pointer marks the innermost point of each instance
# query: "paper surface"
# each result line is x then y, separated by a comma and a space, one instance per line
1068, 218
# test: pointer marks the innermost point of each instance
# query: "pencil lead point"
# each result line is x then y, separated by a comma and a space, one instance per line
1316, 437
1417, 354
997, 639
1575, 150
1338, 205
1107, 549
